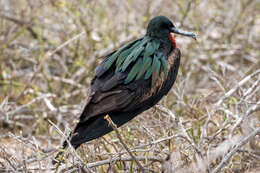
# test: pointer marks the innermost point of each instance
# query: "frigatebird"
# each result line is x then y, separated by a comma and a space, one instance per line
130, 80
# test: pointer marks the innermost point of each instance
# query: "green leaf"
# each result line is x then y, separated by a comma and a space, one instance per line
164, 66
135, 69
146, 64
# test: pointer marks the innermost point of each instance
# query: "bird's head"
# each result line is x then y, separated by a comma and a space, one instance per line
162, 27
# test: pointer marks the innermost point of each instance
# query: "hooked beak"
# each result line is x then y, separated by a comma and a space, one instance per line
181, 32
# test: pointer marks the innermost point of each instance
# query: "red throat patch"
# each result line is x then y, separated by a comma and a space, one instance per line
173, 40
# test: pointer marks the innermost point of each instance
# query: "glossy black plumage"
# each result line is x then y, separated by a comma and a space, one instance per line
115, 92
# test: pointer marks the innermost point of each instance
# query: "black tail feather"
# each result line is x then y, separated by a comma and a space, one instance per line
94, 128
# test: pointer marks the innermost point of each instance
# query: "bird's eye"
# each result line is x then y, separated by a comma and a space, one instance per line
171, 25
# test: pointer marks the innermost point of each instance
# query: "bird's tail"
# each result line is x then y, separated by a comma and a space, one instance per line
59, 157
84, 132
93, 128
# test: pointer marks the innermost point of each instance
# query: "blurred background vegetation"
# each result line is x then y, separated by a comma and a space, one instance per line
213, 106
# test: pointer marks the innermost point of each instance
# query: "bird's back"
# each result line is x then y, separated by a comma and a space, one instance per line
110, 92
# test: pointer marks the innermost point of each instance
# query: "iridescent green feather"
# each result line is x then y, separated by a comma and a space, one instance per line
115, 55
150, 48
164, 65
111, 59
132, 57
148, 73
146, 64
121, 58
155, 69
124, 55
134, 71
134, 54
149, 65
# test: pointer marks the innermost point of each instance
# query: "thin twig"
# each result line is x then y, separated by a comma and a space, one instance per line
187, 137
136, 149
113, 125
18, 109
234, 150
65, 137
126, 158
252, 109
27, 25
45, 58
231, 91
182, 129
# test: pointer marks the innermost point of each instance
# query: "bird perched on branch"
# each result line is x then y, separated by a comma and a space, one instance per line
130, 80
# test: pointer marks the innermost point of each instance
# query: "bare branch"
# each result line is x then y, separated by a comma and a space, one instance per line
45, 58
113, 125
231, 91
127, 158
235, 149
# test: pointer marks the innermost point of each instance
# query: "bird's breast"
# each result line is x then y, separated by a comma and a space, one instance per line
173, 40
171, 60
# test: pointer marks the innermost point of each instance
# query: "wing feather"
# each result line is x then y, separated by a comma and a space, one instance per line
109, 93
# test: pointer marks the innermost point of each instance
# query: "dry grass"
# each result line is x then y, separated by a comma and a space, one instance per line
209, 121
